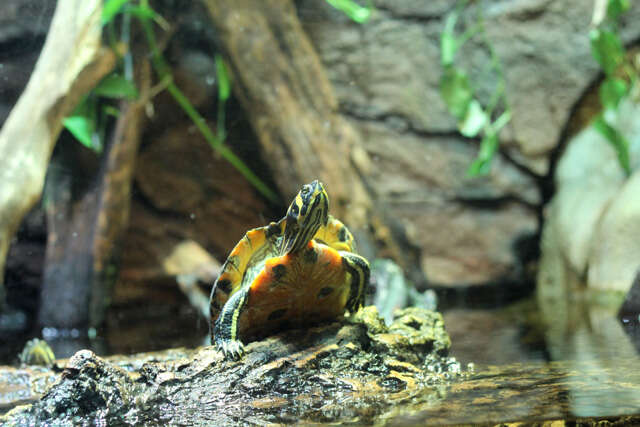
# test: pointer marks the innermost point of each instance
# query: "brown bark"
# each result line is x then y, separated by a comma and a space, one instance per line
282, 85
85, 232
71, 63
290, 102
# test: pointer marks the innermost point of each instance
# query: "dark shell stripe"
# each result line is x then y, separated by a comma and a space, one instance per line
313, 212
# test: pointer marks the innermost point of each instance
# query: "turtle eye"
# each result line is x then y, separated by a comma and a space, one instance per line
305, 189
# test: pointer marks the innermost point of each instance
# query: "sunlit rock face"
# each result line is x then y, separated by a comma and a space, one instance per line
593, 222
615, 252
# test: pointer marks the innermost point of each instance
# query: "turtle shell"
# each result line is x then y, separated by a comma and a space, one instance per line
293, 289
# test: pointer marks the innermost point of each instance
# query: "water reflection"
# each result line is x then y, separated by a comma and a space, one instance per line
592, 367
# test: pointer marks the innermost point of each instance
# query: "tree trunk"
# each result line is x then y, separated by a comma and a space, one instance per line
282, 85
86, 230
71, 63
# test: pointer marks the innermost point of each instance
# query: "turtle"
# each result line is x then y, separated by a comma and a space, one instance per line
37, 352
300, 270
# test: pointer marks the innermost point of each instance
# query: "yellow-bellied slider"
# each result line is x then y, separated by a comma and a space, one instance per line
300, 270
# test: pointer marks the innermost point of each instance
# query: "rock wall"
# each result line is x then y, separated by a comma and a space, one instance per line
386, 74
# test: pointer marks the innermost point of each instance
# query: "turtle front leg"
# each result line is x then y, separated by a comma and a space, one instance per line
225, 332
358, 268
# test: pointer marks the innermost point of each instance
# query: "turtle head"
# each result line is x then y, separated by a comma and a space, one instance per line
307, 213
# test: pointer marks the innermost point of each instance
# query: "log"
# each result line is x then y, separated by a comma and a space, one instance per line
86, 230
71, 63
356, 368
282, 85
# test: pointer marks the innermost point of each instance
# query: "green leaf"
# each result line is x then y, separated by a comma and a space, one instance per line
82, 128
116, 86
111, 111
352, 9
501, 121
615, 8
448, 42
142, 12
474, 120
607, 49
482, 164
456, 91
616, 139
111, 9
612, 91
448, 48
224, 82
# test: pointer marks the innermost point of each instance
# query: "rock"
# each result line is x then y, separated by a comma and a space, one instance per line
614, 258
24, 384
442, 211
630, 308
389, 67
386, 76
591, 228
181, 176
392, 291
87, 384
354, 369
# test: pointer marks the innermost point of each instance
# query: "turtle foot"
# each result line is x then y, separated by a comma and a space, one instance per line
231, 349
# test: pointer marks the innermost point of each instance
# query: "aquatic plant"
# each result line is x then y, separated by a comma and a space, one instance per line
88, 121
352, 9
486, 121
620, 75
456, 89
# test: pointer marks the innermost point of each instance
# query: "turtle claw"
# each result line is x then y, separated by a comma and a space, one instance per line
231, 349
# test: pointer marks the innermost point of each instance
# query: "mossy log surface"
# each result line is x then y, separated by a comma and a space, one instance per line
356, 370
351, 370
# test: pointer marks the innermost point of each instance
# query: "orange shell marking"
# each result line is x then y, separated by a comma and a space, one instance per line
296, 290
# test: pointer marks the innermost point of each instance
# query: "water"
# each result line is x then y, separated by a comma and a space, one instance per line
566, 390
535, 365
